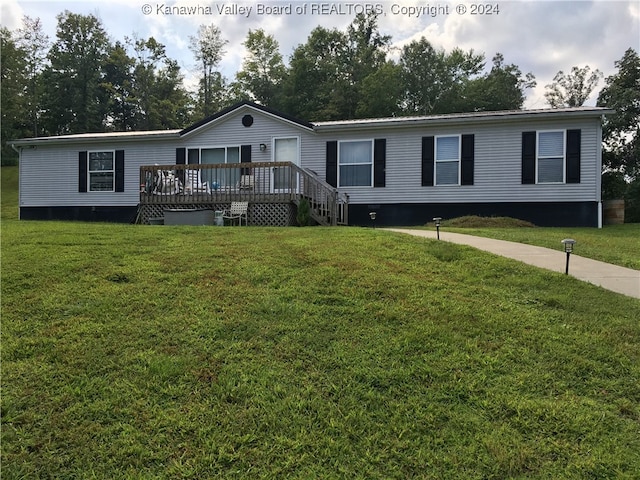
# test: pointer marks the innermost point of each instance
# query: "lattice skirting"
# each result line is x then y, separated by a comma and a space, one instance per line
258, 214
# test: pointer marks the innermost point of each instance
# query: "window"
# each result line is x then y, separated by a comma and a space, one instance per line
551, 156
447, 160
213, 156
355, 163
101, 171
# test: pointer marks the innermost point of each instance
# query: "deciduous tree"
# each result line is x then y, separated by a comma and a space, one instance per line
75, 100
12, 81
262, 68
572, 89
208, 49
32, 40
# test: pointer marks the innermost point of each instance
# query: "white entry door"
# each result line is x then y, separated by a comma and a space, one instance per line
284, 150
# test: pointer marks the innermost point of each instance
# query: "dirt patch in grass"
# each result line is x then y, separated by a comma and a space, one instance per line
475, 221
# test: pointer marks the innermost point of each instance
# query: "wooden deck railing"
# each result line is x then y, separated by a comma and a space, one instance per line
264, 182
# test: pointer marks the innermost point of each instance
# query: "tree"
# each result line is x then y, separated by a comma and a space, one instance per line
262, 69
380, 93
621, 130
32, 40
621, 134
503, 88
366, 55
75, 100
328, 74
12, 81
316, 75
433, 80
208, 49
573, 89
119, 84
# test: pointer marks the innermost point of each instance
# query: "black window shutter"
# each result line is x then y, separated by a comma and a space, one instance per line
573, 156
332, 163
428, 159
379, 162
82, 171
181, 156
245, 157
119, 171
528, 157
468, 154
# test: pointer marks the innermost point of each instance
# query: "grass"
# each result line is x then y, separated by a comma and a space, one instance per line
616, 244
190, 352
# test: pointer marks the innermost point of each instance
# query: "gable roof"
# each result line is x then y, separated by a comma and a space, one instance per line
334, 125
246, 103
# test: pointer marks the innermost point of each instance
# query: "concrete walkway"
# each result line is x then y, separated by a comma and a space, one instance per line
617, 279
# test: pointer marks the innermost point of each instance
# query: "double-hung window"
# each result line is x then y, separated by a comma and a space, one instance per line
551, 156
101, 171
355, 163
447, 160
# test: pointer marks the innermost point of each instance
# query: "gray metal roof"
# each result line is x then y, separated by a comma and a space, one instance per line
471, 117
359, 124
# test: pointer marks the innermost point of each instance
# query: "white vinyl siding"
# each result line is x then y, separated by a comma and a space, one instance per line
355, 163
101, 171
447, 160
551, 157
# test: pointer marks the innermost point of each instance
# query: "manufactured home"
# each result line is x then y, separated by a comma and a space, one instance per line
538, 165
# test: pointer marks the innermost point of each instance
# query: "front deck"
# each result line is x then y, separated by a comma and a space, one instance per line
273, 189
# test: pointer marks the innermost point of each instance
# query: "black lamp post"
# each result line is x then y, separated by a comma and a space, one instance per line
373, 218
568, 248
437, 220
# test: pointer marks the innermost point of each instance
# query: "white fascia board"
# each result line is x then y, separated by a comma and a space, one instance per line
97, 138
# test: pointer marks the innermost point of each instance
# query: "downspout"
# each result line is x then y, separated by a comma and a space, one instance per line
599, 170
19, 152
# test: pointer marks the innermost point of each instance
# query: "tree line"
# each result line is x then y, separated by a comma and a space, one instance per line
84, 81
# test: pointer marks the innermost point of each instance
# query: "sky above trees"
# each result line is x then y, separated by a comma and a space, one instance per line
539, 37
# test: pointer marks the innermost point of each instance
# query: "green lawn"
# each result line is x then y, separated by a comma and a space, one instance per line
617, 244
161, 352
201, 352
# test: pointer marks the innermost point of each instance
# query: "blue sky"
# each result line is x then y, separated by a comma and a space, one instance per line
541, 37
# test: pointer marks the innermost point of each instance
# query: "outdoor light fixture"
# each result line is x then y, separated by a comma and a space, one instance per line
263, 147
373, 218
568, 248
437, 220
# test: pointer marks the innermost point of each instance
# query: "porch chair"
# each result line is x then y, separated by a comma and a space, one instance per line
246, 182
238, 211
193, 183
167, 183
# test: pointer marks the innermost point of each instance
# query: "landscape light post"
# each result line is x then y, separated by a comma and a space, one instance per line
437, 220
568, 248
373, 219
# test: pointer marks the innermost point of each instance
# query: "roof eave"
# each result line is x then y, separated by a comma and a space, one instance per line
223, 114
95, 138
489, 117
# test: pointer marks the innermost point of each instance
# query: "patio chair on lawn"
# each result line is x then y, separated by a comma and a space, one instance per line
193, 184
237, 211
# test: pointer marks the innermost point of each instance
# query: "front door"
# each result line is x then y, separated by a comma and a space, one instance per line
282, 178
